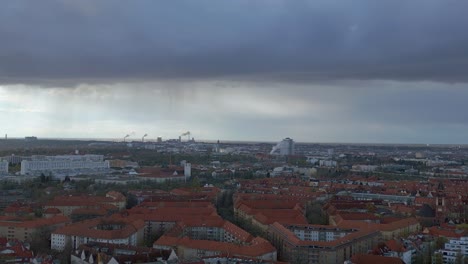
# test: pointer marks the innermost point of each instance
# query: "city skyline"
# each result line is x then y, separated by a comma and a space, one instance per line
315, 71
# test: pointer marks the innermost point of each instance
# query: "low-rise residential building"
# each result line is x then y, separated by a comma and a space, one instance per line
319, 243
110, 230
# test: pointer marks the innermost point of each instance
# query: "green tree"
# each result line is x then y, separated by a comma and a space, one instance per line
315, 214
459, 258
438, 258
40, 240
419, 259
131, 200
195, 184
440, 242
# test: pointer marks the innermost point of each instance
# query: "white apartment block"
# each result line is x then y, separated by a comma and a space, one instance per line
320, 234
3, 167
284, 148
327, 163
65, 164
59, 241
453, 249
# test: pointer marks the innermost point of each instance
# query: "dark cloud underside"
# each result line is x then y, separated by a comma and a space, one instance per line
72, 42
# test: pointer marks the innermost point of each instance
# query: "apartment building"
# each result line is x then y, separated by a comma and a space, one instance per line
64, 165
162, 216
455, 248
318, 243
113, 201
12, 228
111, 230
389, 230
263, 213
213, 236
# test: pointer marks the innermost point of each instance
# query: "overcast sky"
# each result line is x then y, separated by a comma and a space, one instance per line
317, 71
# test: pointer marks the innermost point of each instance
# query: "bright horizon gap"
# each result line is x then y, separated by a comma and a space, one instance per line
231, 141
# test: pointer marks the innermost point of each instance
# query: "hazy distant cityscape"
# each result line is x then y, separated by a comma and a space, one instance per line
183, 201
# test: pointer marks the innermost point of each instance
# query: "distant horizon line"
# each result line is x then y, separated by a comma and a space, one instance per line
153, 140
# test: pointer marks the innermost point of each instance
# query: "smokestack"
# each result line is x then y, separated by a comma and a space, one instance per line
126, 136
143, 138
185, 134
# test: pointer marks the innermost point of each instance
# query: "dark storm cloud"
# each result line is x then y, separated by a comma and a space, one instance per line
72, 42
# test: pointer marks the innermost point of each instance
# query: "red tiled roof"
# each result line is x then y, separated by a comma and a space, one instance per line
88, 228
267, 204
171, 214
446, 232
81, 200
58, 219
292, 238
424, 200
183, 204
268, 217
396, 246
52, 210
373, 259
357, 216
405, 222
90, 211
17, 208
258, 246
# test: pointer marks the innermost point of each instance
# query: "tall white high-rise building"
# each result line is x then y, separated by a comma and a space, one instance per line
284, 147
3, 167
187, 170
